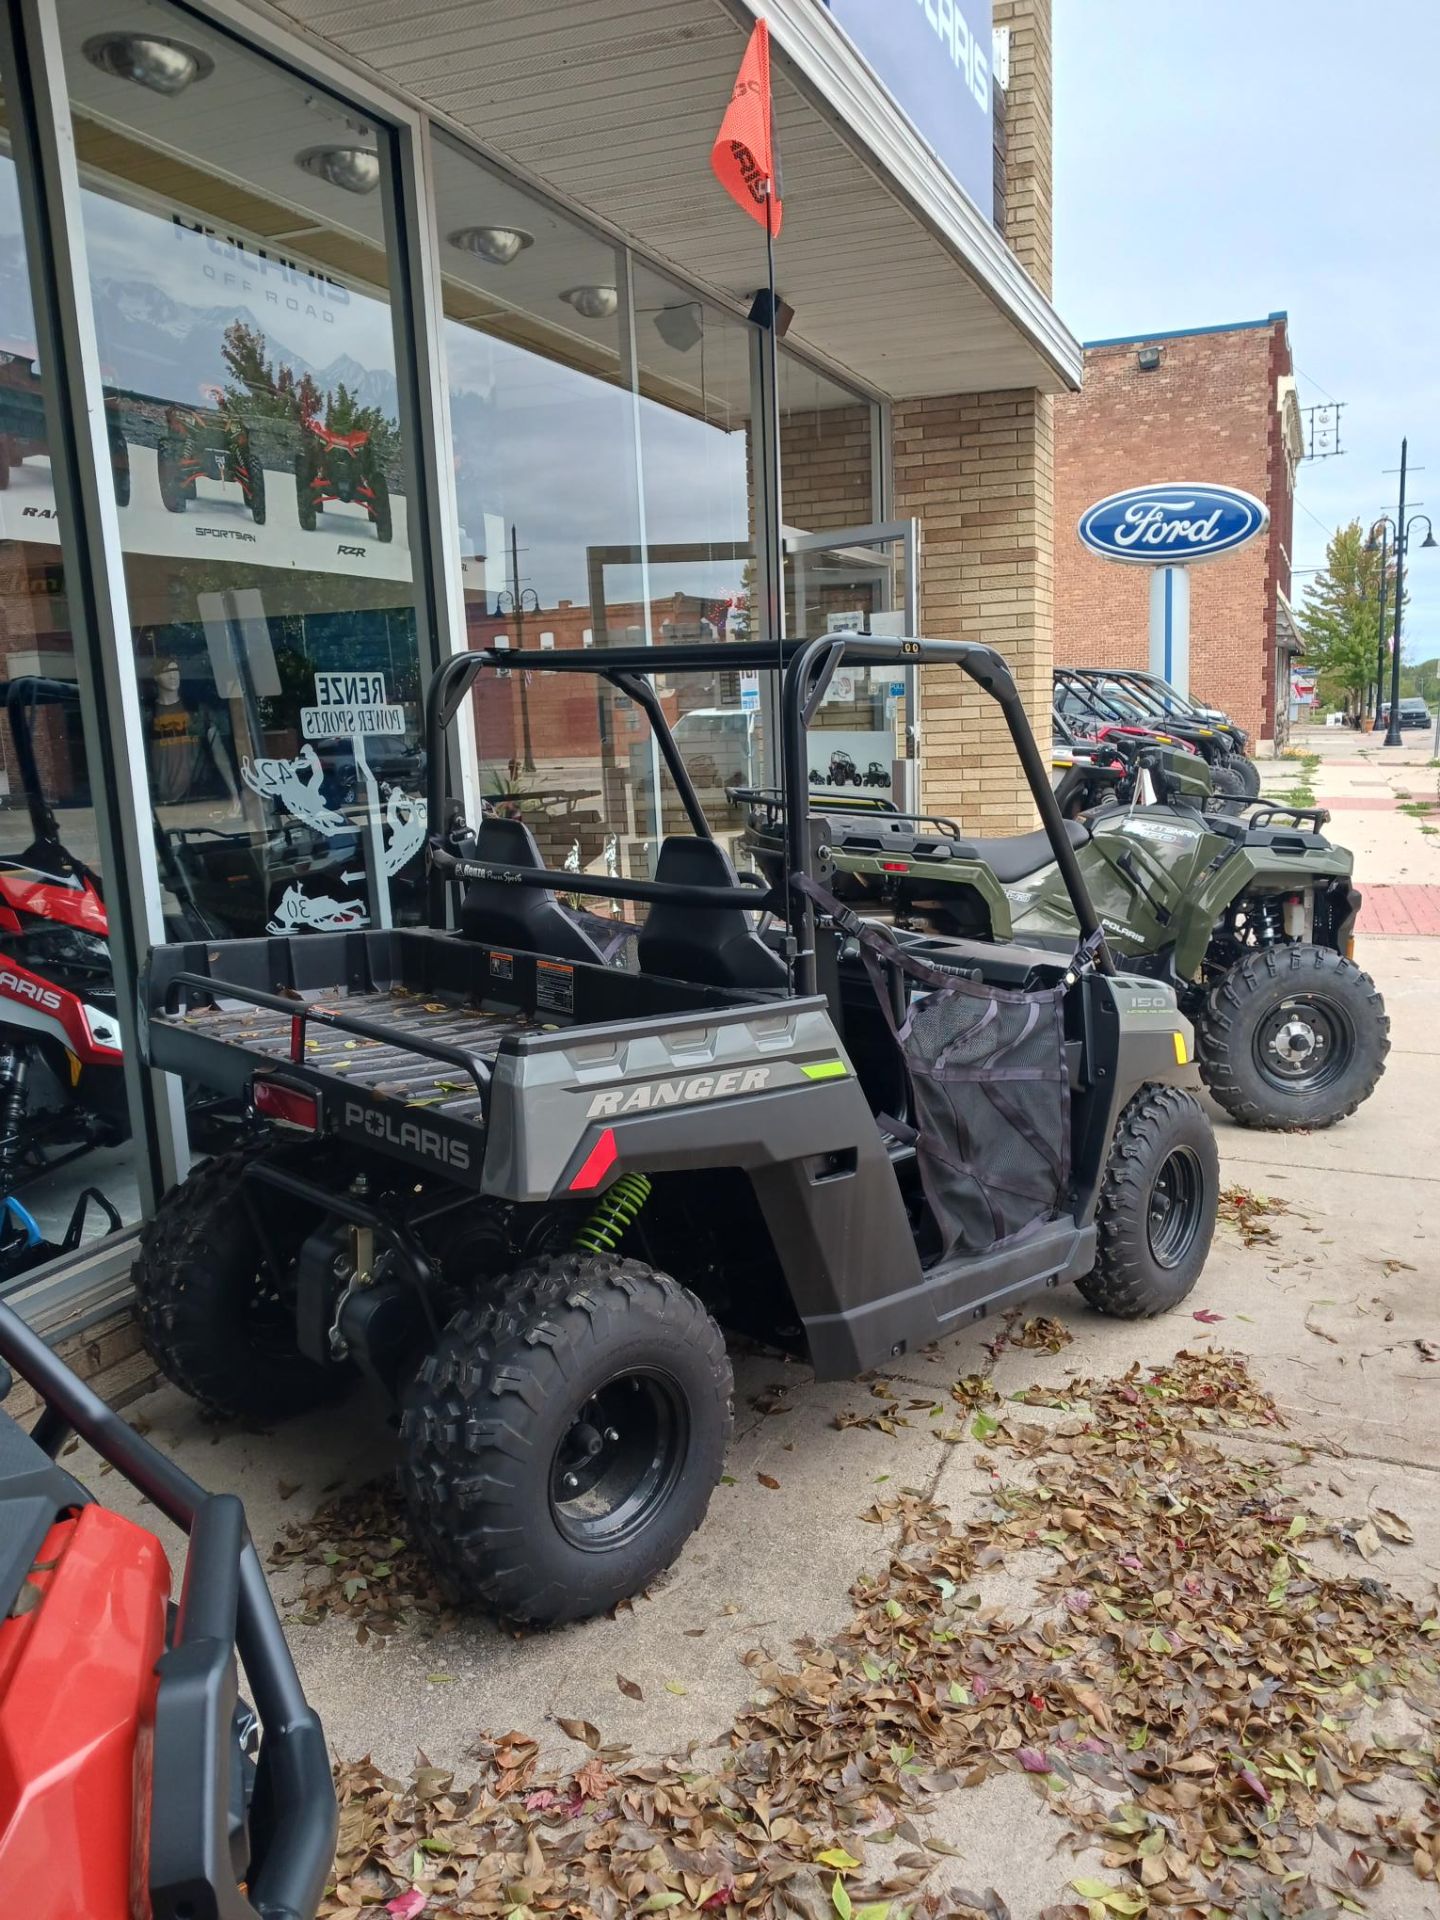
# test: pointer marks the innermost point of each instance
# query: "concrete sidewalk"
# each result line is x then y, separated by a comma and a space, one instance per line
1330, 1309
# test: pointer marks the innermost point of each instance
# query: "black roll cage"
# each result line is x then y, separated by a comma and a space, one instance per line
808, 667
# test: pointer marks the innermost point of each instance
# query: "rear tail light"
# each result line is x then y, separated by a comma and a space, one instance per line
597, 1163
287, 1106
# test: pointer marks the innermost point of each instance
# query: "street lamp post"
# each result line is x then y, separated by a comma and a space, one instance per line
1402, 530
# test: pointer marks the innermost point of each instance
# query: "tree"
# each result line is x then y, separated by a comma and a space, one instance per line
1420, 680
344, 414
258, 385
1340, 620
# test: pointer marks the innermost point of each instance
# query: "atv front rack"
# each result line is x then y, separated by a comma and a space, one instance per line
1264, 811
225, 1607
771, 802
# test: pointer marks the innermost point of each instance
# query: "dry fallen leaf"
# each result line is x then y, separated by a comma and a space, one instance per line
1393, 1527
768, 1480
580, 1730
628, 1687
1189, 1692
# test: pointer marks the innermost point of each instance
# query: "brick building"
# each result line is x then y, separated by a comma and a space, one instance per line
1203, 404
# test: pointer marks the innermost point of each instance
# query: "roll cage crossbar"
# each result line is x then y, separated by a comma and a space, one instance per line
808, 668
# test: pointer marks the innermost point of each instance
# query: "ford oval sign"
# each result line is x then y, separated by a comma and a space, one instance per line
1172, 525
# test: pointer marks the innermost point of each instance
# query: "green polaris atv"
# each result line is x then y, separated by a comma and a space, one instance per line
1247, 911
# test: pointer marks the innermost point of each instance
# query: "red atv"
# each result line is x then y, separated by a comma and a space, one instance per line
134, 1782
340, 466
62, 1082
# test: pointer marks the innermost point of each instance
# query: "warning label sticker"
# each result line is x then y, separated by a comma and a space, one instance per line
555, 986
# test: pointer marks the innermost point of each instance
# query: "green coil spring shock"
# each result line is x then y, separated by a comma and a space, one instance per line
622, 1205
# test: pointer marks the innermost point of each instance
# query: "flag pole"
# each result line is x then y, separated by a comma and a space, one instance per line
775, 585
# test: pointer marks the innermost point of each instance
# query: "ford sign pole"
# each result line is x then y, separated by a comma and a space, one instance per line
1170, 626
1170, 527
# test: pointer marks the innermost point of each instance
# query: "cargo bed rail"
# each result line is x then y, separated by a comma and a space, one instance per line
301, 1012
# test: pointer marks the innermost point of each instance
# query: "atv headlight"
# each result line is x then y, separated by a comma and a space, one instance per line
57, 949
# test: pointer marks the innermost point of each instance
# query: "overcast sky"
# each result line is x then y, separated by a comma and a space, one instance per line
1225, 161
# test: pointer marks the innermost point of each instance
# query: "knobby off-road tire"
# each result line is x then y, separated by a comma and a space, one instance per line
1247, 773
580, 1378
1225, 778
255, 475
176, 492
1157, 1208
1273, 1006
211, 1317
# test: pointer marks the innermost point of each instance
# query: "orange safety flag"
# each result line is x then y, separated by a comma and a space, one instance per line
744, 156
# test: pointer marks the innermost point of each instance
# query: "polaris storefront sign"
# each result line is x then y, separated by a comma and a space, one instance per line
934, 57
1172, 525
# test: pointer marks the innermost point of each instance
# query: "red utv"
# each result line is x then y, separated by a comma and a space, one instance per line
340, 466
208, 444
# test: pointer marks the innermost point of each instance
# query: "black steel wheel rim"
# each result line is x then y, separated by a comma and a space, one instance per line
1176, 1207
618, 1461
1304, 1043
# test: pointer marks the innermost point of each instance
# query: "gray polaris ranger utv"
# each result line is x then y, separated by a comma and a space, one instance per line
522, 1187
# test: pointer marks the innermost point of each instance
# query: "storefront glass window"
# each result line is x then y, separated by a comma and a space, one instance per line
66, 1155
600, 419
235, 225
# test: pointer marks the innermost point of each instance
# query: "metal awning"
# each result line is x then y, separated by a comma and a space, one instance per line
896, 277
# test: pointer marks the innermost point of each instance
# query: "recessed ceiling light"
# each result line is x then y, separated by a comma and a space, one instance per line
149, 59
498, 245
593, 303
356, 169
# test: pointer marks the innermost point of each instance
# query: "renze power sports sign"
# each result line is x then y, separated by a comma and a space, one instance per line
1172, 525
933, 56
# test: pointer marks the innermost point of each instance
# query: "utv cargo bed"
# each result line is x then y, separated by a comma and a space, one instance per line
410, 1016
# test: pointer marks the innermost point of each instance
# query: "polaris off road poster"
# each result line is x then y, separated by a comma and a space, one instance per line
251, 402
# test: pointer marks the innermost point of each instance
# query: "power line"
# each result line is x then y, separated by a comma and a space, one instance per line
1327, 531
1302, 375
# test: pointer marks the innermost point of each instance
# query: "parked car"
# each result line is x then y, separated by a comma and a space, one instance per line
1413, 713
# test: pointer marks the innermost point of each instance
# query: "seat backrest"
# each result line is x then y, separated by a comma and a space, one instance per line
710, 947
503, 914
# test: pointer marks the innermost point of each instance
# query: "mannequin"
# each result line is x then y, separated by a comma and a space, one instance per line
182, 742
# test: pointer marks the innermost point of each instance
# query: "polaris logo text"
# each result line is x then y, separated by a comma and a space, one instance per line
676, 1093
408, 1134
19, 989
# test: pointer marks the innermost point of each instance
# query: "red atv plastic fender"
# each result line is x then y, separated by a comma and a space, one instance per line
77, 1714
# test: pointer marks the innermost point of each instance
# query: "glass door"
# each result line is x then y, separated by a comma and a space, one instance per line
866, 733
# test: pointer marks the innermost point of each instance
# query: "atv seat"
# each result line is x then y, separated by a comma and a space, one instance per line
1017, 855
504, 915
709, 947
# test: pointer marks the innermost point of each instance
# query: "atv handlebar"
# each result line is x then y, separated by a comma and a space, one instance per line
225, 1607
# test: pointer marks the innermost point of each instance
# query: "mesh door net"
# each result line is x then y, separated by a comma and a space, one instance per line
989, 1087
991, 1110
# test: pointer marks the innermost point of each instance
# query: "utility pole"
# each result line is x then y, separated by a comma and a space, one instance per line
1380, 649
520, 601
